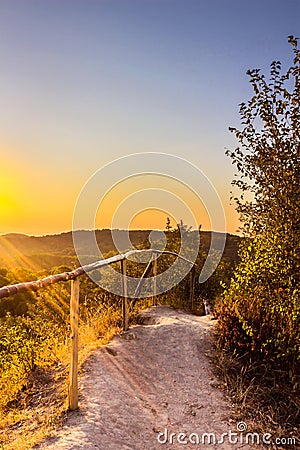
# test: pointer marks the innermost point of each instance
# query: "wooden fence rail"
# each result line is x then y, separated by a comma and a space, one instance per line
74, 275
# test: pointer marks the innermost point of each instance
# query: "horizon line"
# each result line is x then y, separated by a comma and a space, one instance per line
110, 229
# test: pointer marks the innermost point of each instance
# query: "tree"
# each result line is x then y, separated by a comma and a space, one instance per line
268, 159
168, 224
261, 311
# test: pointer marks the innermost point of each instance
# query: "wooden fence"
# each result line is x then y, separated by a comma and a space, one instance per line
74, 275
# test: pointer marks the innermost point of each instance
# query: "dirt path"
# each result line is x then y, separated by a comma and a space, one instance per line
153, 379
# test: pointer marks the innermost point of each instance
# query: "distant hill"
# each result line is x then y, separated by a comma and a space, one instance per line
45, 252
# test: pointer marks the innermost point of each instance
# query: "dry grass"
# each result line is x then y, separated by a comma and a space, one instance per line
263, 399
38, 407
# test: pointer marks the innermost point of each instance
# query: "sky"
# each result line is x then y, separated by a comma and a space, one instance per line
84, 83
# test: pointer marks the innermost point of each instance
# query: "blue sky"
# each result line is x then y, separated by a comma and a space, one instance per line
85, 82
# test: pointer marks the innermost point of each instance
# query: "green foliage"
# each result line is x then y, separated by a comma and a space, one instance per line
179, 295
260, 315
19, 304
25, 344
23, 340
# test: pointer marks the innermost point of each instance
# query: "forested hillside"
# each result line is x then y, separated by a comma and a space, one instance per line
46, 252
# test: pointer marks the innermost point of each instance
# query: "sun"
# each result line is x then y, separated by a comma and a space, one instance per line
10, 200
7, 203
4, 200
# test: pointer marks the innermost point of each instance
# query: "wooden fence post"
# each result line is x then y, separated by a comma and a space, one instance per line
192, 280
154, 299
74, 308
124, 293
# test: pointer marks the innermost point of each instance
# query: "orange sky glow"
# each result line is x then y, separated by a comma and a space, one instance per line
118, 78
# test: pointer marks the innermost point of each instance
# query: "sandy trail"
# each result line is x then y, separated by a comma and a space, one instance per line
156, 378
